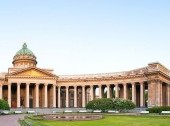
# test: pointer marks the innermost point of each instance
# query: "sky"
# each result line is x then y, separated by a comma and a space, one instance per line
86, 36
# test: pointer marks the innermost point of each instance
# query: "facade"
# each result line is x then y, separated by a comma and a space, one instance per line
25, 85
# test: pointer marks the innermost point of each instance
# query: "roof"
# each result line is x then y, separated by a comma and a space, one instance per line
24, 51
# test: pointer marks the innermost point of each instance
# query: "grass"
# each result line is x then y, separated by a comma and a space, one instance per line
109, 120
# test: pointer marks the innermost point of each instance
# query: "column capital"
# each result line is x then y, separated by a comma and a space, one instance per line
75, 86
54, 85
142, 82
133, 83
91, 86
27, 83
107, 84
18, 84
99, 85
116, 85
124, 84
9, 84
45, 84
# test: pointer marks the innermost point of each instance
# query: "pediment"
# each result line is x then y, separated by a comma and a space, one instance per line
33, 72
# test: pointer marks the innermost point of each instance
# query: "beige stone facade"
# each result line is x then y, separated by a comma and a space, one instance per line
27, 86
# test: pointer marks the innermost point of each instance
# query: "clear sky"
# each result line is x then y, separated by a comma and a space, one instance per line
86, 36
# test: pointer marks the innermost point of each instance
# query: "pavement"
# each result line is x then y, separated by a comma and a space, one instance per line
10, 120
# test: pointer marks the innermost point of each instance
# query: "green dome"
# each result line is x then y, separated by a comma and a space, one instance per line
25, 51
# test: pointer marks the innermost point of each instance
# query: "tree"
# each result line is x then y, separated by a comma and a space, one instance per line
4, 105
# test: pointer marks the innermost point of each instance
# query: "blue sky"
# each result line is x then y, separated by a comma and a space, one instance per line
90, 36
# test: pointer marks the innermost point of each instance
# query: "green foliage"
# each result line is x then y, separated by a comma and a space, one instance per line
103, 104
158, 109
4, 105
121, 104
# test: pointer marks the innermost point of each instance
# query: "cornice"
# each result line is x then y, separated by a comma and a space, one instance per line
99, 79
31, 77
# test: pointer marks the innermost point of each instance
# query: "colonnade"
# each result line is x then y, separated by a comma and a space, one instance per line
51, 95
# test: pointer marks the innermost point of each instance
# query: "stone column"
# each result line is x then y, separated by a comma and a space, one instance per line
83, 97
91, 92
116, 91
108, 91
45, 96
134, 93
0, 91
18, 96
142, 94
100, 91
125, 91
75, 96
67, 97
168, 86
59, 105
27, 95
54, 96
159, 93
152, 89
37, 95
9, 95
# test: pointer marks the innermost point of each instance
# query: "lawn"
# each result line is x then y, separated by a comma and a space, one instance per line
110, 120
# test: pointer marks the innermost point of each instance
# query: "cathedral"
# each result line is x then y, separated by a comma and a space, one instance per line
25, 85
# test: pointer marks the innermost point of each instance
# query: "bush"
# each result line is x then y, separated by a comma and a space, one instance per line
103, 104
121, 104
4, 105
158, 109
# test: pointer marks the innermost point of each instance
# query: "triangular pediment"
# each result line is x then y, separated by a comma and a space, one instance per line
33, 72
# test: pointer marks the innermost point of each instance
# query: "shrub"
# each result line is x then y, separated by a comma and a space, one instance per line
158, 109
122, 104
103, 104
4, 105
